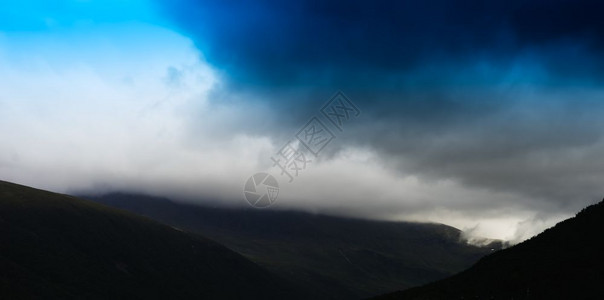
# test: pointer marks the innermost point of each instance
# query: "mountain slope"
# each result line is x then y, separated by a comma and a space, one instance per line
58, 246
564, 262
338, 257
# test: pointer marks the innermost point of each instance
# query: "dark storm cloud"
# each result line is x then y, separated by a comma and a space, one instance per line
277, 44
502, 95
292, 55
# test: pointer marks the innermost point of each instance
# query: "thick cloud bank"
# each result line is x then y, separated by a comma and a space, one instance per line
482, 115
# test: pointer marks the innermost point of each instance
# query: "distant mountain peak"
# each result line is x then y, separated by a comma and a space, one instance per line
563, 262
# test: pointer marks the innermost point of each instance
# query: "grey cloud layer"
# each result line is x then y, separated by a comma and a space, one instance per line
499, 95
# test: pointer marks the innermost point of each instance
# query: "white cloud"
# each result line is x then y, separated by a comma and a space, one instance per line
128, 109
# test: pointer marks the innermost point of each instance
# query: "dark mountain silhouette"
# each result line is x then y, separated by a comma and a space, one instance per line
337, 257
58, 246
564, 262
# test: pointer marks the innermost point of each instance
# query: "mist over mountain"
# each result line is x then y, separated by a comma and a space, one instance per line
340, 258
483, 115
563, 262
384, 146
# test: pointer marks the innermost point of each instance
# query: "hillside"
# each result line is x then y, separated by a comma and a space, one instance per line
340, 258
564, 262
58, 246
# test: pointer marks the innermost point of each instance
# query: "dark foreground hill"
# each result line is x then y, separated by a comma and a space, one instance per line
563, 262
57, 246
337, 257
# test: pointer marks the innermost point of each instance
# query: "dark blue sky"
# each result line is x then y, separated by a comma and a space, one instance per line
376, 43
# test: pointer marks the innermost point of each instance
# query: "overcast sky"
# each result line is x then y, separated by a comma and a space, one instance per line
486, 116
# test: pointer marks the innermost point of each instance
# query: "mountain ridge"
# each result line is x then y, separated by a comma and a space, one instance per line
59, 246
563, 262
342, 258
